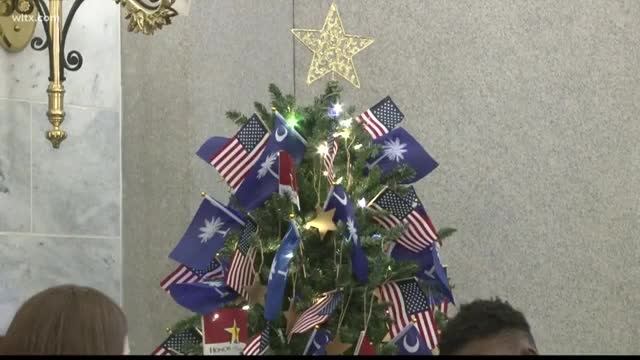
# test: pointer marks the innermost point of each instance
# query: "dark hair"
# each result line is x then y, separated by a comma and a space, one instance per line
481, 319
66, 320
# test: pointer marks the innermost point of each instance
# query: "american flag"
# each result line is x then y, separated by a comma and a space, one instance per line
317, 313
260, 343
186, 275
241, 272
381, 118
409, 303
412, 198
418, 235
237, 157
178, 343
439, 302
330, 155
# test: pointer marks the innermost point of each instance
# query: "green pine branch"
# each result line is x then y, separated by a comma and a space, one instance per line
315, 268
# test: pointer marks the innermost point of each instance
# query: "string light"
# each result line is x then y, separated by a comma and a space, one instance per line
362, 203
215, 316
292, 120
335, 110
325, 173
322, 149
345, 133
246, 307
346, 123
337, 182
357, 147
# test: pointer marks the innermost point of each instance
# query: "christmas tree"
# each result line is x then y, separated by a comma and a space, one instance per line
323, 242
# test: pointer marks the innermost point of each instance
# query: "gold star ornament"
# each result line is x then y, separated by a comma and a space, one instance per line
256, 292
337, 347
323, 221
235, 333
292, 316
333, 50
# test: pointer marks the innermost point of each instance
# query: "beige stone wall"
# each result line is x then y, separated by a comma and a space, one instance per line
531, 108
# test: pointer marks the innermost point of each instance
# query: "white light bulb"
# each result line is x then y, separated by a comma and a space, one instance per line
215, 316
357, 147
246, 307
362, 203
346, 123
322, 149
336, 110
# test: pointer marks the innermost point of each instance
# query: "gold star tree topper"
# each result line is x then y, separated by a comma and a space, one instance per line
333, 50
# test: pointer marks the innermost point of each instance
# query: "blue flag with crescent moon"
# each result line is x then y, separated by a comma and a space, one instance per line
264, 178
346, 213
317, 343
202, 298
289, 139
433, 273
410, 342
279, 272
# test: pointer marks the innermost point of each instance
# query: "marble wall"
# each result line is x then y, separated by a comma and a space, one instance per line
60, 209
531, 108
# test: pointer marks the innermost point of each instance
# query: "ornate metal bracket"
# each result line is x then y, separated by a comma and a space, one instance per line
58, 61
17, 24
147, 16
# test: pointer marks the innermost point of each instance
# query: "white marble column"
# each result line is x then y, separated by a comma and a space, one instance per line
60, 209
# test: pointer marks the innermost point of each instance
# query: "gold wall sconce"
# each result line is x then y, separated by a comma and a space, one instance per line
18, 19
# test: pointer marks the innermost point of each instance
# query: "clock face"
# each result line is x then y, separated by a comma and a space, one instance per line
17, 27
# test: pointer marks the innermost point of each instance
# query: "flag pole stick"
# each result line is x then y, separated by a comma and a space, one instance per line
304, 270
370, 312
199, 331
345, 306
175, 351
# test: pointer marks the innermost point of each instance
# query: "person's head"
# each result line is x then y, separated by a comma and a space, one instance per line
487, 327
67, 320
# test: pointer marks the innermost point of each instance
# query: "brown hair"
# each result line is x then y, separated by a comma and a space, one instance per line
67, 320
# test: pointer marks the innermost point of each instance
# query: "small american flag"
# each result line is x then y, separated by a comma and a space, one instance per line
260, 343
235, 159
178, 343
330, 155
409, 304
317, 313
186, 275
381, 118
418, 235
439, 303
426, 225
241, 272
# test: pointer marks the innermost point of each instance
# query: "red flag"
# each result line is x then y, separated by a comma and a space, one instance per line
364, 346
288, 178
225, 331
